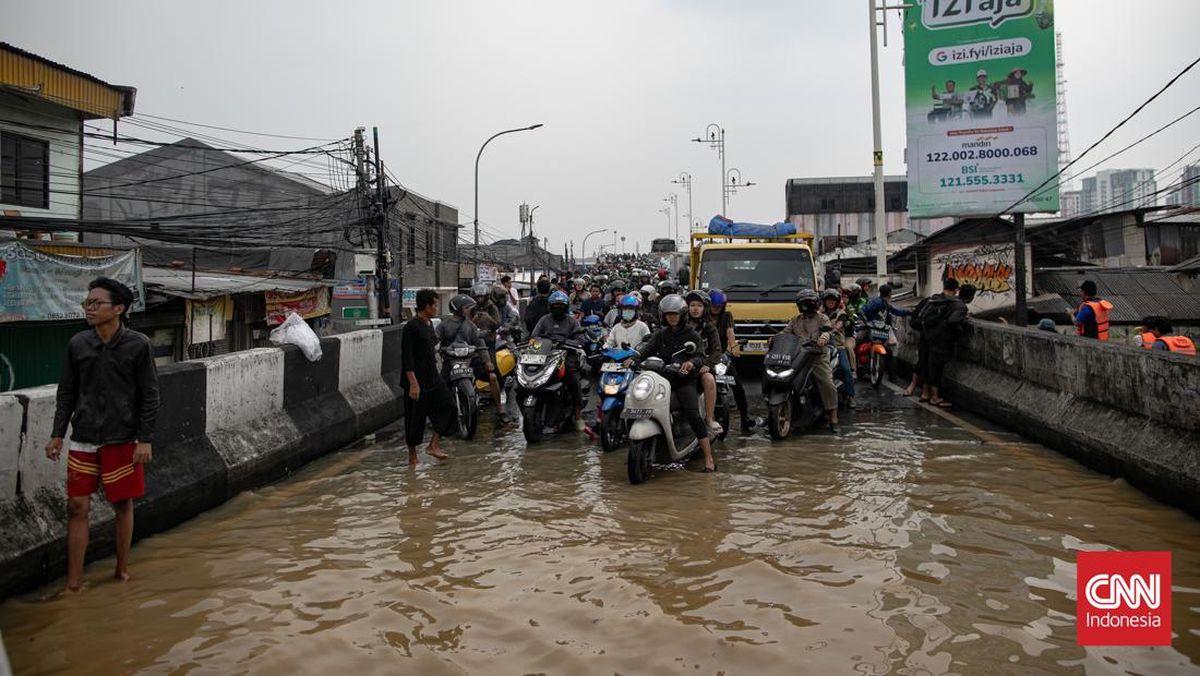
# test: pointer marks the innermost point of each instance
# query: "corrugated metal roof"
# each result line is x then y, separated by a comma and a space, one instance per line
1135, 293
45, 79
178, 282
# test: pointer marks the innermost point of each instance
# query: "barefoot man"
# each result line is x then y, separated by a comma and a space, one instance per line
427, 397
108, 392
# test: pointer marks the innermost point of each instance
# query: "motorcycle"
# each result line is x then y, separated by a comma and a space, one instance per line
873, 352
612, 388
541, 392
790, 388
724, 405
594, 333
463, 387
658, 433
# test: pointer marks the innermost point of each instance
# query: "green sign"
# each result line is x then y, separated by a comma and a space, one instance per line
980, 98
355, 312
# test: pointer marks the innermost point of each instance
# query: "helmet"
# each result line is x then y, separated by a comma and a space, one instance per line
649, 293
480, 290
577, 284
717, 297
698, 294
635, 294
667, 287
630, 301
662, 273
558, 298
854, 289
672, 303
830, 293
461, 303
863, 281
618, 286
807, 297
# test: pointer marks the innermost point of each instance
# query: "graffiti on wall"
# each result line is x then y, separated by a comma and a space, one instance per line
990, 268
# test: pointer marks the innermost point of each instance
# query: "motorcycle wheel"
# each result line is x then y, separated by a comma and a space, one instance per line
722, 418
468, 410
779, 420
612, 431
641, 453
534, 424
876, 370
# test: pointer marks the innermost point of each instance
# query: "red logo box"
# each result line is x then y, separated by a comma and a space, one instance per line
1123, 598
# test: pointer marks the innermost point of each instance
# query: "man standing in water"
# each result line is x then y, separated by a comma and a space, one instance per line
108, 393
426, 396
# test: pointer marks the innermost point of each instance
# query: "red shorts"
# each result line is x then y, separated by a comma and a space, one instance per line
111, 465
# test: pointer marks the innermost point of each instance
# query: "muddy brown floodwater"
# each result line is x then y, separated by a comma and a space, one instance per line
904, 546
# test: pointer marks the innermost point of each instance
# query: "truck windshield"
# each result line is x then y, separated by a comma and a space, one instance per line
759, 274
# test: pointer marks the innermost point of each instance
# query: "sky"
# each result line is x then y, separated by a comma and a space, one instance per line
621, 87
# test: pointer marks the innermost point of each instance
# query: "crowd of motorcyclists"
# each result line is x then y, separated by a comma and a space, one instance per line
633, 308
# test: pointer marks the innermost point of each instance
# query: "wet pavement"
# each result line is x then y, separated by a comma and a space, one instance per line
908, 544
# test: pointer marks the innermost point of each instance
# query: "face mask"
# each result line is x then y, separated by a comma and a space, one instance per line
628, 315
558, 312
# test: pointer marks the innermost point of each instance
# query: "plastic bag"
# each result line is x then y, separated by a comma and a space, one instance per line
294, 331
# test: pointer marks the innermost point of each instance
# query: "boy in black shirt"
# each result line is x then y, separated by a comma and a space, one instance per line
427, 396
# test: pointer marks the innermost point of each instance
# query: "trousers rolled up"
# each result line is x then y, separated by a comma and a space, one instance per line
823, 372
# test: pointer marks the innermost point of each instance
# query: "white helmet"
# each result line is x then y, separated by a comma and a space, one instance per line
649, 293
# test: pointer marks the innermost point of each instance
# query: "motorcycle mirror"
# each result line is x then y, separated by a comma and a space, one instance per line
690, 347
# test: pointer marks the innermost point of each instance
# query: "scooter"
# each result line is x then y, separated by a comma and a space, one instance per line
594, 333
541, 392
658, 433
724, 404
790, 388
873, 352
612, 388
463, 387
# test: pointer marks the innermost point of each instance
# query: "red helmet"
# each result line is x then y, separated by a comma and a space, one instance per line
662, 273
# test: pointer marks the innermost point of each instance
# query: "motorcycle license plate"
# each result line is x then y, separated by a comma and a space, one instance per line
725, 380
879, 336
459, 370
637, 413
756, 346
534, 359
612, 367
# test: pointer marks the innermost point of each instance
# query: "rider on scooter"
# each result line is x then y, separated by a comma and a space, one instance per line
631, 330
723, 319
560, 326
459, 327
664, 344
811, 325
842, 325
699, 321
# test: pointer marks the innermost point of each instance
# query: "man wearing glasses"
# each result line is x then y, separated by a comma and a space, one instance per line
108, 392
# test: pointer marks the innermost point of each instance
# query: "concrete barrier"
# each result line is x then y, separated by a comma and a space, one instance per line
1120, 410
226, 424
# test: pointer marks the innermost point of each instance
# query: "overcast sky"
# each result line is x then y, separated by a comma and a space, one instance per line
620, 85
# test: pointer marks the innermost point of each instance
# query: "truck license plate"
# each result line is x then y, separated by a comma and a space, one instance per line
756, 346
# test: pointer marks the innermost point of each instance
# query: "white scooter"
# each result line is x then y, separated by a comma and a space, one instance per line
658, 433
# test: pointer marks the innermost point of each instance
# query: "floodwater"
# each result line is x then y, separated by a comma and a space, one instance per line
907, 545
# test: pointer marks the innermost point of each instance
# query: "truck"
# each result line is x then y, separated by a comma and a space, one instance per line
760, 275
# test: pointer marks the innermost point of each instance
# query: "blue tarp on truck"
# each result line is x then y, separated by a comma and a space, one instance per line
720, 225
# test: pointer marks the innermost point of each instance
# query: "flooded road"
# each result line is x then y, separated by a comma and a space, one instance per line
904, 546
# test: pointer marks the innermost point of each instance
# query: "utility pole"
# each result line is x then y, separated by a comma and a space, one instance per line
1022, 311
524, 215
876, 127
685, 179
716, 140
381, 263
367, 201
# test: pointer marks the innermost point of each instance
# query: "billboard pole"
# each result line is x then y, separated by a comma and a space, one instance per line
1022, 311
880, 215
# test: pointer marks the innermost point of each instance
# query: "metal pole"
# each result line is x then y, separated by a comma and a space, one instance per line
689, 189
1022, 311
724, 205
477, 156
381, 271
880, 213
583, 247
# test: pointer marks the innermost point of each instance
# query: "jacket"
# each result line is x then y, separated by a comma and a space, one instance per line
567, 328
107, 393
810, 327
455, 328
538, 307
665, 342
711, 345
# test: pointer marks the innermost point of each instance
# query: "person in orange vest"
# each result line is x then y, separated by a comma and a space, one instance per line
1160, 335
1091, 318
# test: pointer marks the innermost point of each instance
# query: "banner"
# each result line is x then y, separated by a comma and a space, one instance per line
307, 304
980, 84
39, 286
206, 319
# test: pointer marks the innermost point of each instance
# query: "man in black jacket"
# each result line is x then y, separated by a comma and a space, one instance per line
108, 393
665, 343
941, 327
538, 306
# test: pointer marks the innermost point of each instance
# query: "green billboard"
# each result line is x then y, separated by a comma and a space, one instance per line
980, 102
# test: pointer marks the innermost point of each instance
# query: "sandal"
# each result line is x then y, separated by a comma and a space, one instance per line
924, 400
941, 403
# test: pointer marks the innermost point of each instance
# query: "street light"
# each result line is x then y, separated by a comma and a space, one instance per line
716, 139
583, 249
733, 181
685, 179
673, 200
477, 156
667, 210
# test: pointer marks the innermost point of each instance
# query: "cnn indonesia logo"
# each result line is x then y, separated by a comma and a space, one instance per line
1123, 598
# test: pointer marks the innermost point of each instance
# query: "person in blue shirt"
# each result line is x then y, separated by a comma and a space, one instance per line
594, 304
881, 308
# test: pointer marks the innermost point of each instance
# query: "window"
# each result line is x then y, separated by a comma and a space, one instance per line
24, 171
412, 245
429, 247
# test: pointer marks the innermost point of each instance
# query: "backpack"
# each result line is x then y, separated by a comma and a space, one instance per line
931, 312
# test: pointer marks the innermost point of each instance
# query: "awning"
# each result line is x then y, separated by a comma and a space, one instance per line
178, 282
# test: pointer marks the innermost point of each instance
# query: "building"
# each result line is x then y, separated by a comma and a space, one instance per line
1185, 192
843, 208
1121, 239
1071, 203
1118, 190
43, 106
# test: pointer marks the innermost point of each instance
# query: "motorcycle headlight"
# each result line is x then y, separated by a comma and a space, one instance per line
786, 373
611, 388
720, 369
642, 387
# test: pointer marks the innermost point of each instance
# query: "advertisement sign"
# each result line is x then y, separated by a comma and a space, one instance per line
38, 286
991, 268
487, 273
307, 304
980, 99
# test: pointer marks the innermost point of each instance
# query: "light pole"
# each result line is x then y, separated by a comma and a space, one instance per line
667, 210
477, 156
877, 132
583, 249
716, 139
685, 179
622, 243
673, 200
733, 181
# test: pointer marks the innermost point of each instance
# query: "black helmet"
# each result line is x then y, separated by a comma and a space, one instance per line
830, 293
700, 295
461, 303
807, 300
667, 287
